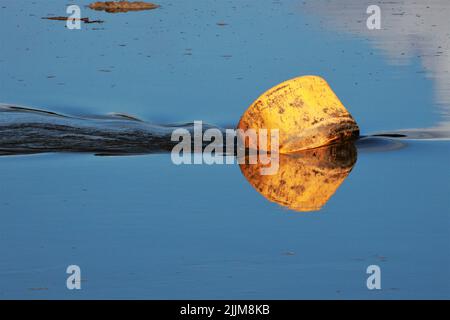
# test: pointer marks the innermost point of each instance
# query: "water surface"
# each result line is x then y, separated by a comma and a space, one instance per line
141, 227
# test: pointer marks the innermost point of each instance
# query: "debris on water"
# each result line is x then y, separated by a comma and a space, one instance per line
85, 20
122, 6
307, 113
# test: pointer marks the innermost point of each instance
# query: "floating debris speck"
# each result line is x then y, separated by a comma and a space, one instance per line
85, 20
122, 6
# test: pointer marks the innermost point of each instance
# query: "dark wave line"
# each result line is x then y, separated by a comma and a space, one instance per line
28, 131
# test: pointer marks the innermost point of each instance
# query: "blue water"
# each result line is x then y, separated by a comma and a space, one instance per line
141, 227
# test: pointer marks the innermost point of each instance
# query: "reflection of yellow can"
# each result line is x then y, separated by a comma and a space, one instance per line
305, 180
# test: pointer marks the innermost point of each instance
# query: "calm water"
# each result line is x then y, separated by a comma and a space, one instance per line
141, 227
